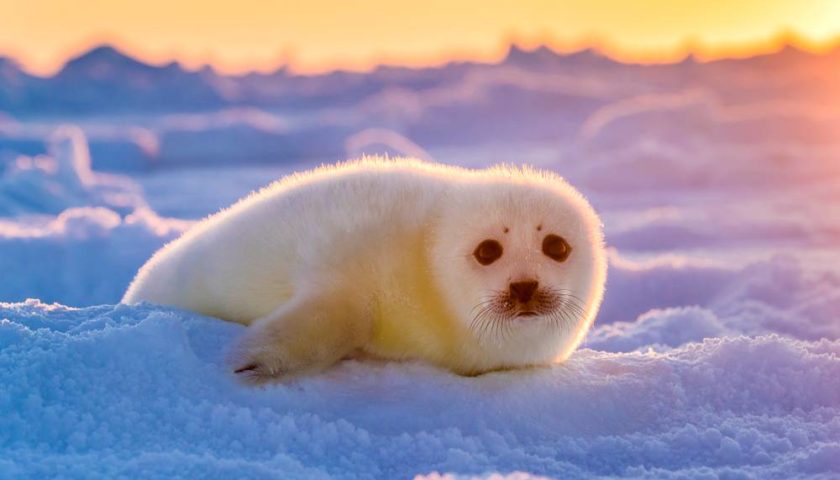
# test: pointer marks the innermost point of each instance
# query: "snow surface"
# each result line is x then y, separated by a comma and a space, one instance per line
716, 353
145, 392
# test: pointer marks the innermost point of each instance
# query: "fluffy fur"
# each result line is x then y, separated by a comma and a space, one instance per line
379, 257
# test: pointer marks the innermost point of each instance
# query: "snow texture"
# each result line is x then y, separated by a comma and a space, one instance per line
144, 391
716, 353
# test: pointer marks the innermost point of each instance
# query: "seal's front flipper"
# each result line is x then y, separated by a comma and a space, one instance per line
301, 336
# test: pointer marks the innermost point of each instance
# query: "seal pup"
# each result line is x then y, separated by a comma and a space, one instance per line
470, 270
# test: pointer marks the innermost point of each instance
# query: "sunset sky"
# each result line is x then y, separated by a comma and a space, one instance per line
318, 35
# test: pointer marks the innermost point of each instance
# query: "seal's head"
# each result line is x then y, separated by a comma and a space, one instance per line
520, 260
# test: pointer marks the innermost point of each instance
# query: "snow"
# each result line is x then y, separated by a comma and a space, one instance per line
716, 353
145, 391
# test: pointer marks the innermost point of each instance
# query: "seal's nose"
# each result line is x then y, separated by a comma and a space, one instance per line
523, 291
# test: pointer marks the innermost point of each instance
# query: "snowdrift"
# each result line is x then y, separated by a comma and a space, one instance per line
142, 391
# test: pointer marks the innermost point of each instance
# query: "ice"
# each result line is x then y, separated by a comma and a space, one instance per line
63, 179
76, 235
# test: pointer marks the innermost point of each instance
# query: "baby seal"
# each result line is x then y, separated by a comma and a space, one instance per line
470, 270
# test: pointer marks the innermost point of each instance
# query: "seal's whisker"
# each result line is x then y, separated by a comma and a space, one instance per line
493, 317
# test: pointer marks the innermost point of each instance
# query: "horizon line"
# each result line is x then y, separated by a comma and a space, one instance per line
688, 48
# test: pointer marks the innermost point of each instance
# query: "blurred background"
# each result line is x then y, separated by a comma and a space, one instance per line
706, 133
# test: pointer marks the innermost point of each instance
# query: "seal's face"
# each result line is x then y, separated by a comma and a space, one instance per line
524, 296
522, 266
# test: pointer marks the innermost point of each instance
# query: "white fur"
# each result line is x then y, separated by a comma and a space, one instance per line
377, 256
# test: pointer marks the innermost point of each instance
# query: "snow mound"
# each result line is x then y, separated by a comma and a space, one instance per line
141, 391
70, 234
64, 179
782, 294
84, 255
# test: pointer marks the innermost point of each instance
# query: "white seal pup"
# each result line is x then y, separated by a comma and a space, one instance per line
471, 270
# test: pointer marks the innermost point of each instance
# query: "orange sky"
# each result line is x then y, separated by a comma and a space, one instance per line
318, 35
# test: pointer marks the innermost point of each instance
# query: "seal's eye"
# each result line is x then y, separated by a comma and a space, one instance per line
556, 248
488, 252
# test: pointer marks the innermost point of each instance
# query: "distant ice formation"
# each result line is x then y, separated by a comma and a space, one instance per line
68, 233
48, 184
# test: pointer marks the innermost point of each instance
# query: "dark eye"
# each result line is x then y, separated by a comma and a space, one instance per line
556, 248
488, 252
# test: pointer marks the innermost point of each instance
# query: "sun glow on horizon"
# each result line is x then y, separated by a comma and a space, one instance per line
261, 35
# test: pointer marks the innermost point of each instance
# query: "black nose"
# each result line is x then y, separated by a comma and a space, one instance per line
523, 291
